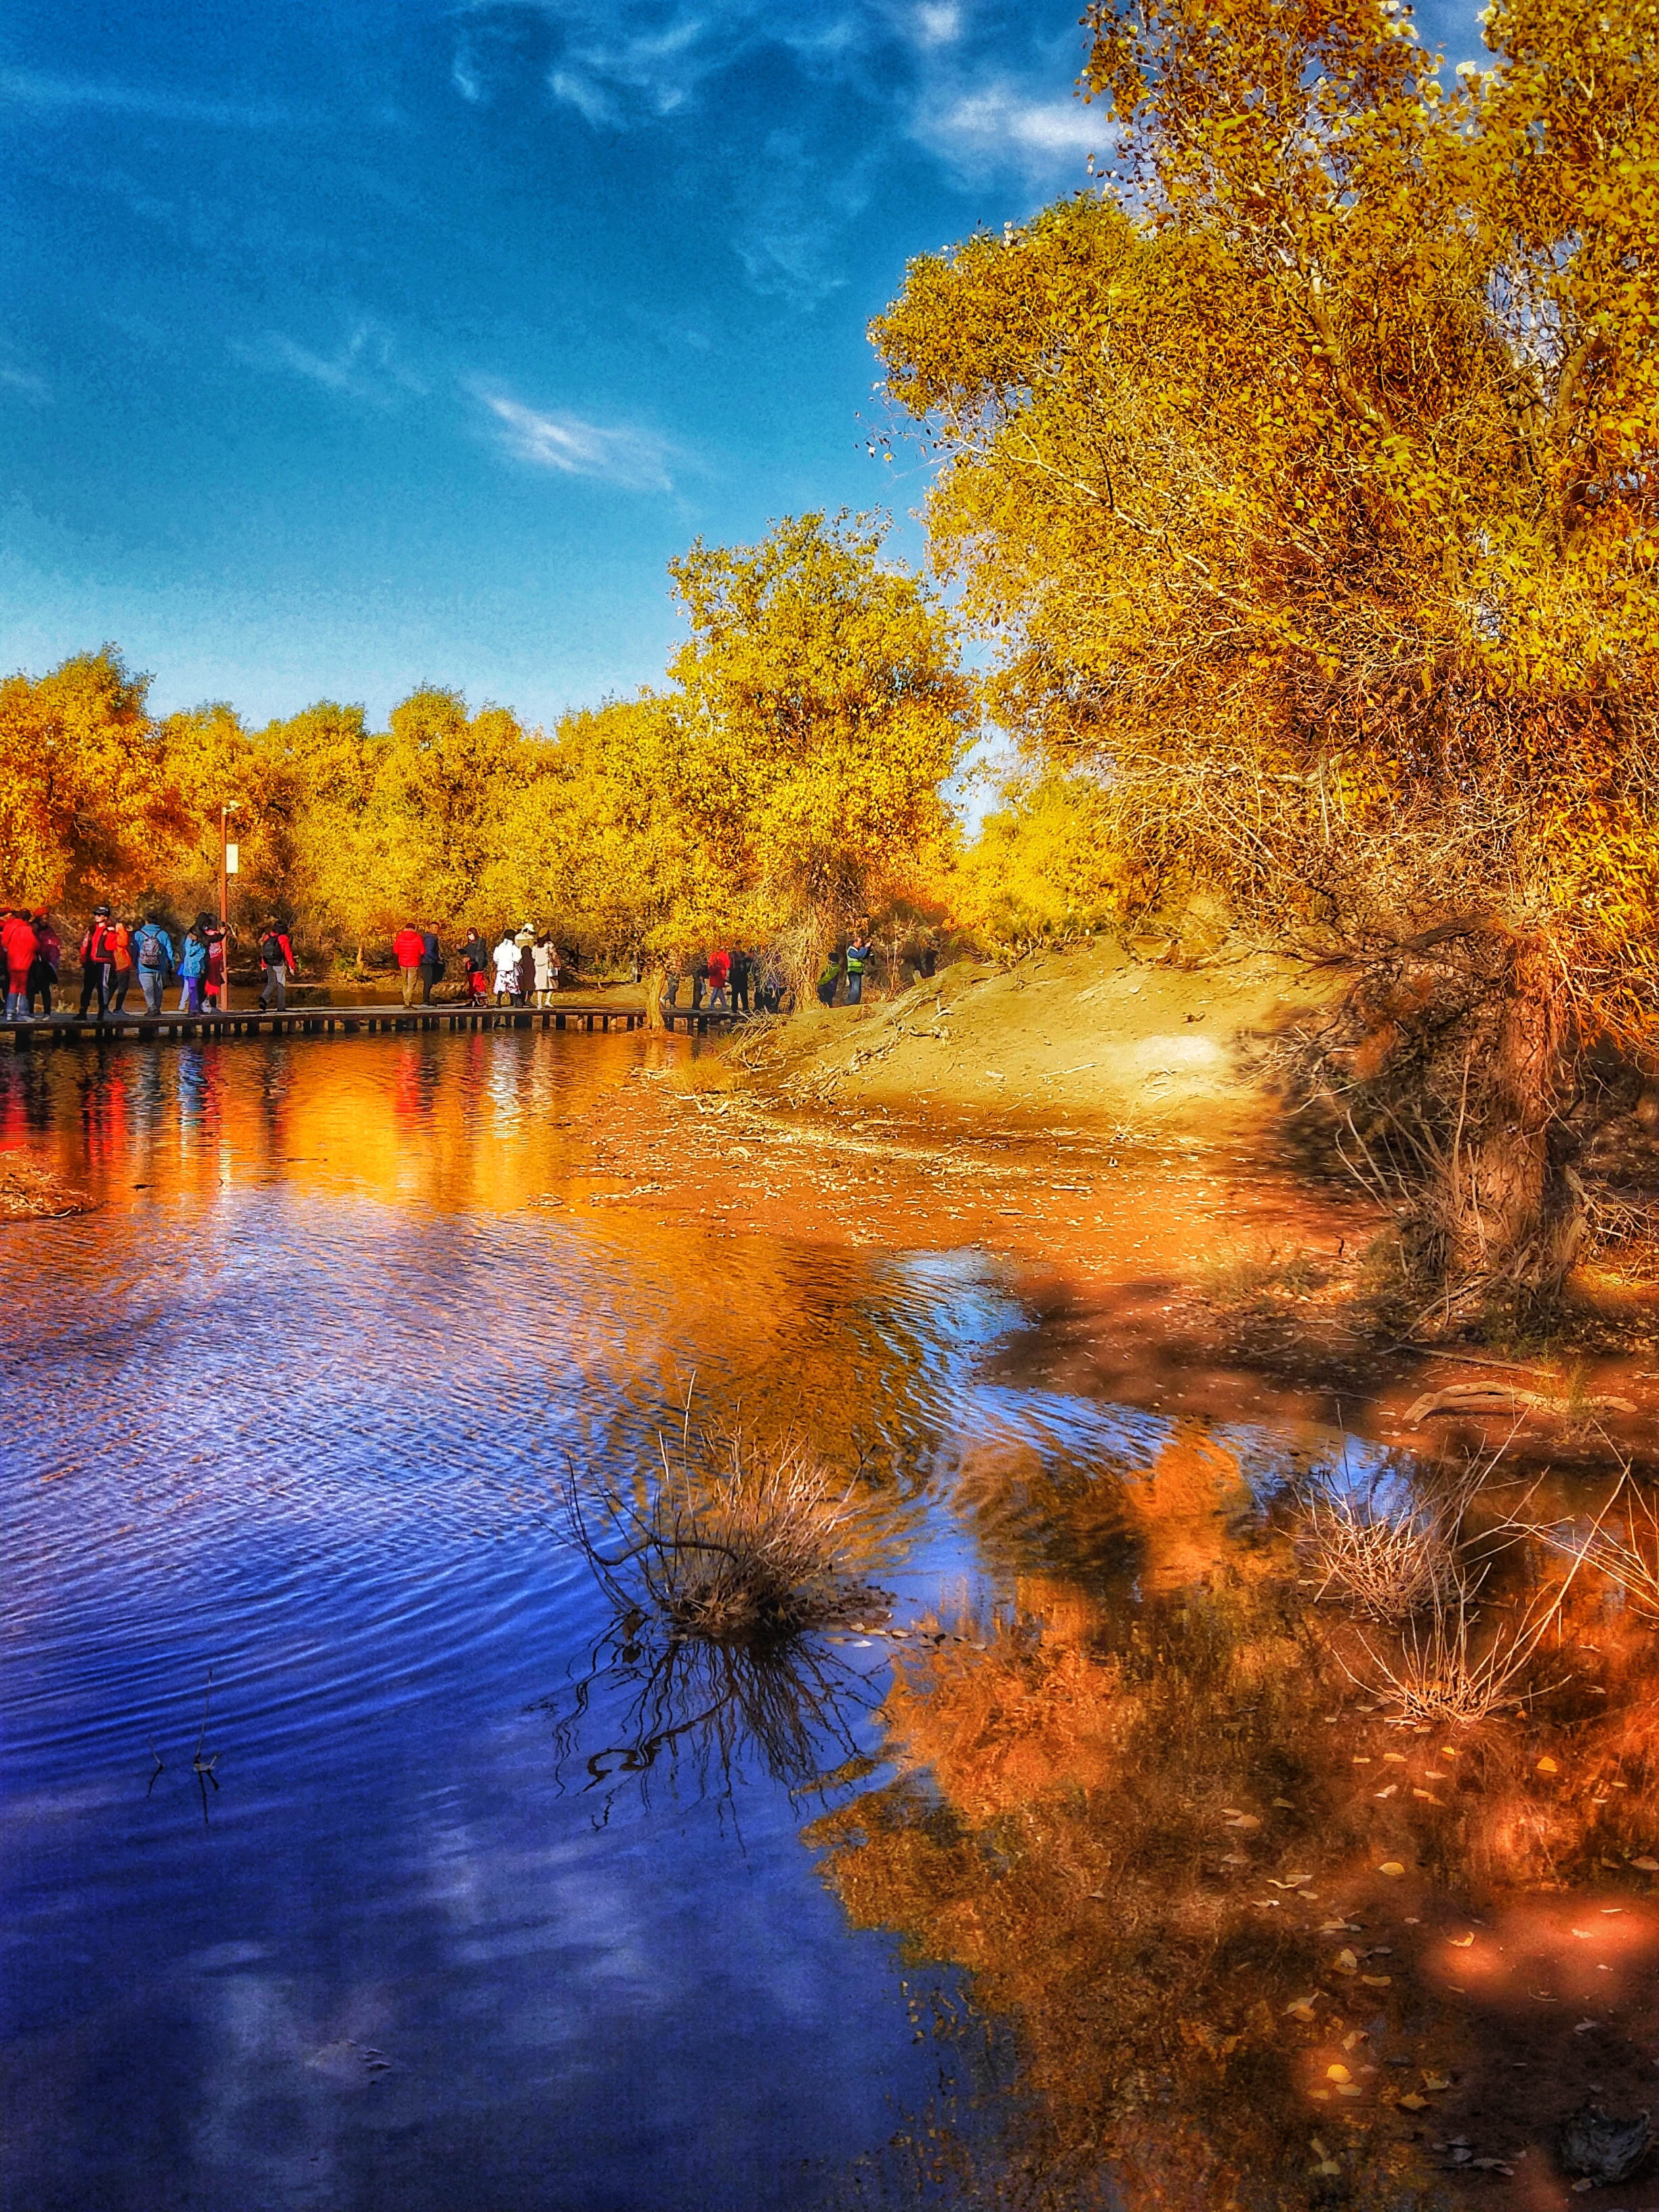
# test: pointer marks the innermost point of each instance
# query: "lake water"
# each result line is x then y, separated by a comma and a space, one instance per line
345, 1868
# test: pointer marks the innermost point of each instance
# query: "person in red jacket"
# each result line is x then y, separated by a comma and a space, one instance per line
410, 946
19, 944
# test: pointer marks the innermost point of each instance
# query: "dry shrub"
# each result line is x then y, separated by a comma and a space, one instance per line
1623, 1545
731, 1540
28, 1192
1386, 1564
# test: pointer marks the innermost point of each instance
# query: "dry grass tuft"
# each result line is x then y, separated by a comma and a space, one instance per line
1387, 1565
731, 1541
28, 1192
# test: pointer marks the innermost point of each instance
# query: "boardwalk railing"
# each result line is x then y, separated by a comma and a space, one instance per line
146, 1028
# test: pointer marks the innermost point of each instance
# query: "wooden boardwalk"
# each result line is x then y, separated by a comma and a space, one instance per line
143, 1028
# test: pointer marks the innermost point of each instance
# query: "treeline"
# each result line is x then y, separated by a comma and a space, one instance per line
788, 781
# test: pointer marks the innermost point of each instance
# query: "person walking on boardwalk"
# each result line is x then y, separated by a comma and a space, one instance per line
740, 980
475, 962
192, 968
720, 967
545, 955
409, 948
97, 955
432, 964
215, 991
120, 965
526, 988
699, 980
278, 961
153, 948
19, 944
507, 968
43, 968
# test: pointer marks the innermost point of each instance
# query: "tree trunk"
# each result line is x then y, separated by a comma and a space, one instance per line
656, 982
1512, 1207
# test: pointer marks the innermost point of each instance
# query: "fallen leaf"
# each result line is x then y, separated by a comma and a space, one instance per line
1349, 2089
1303, 2008
1427, 1795
1328, 2166
1460, 1942
1585, 2025
1436, 2082
1391, 1866
1579, 2187
1547, 1766
1376, 1981
1338, 2073
1395, 1758
1583, 1931
1648, 1866
1284, 1804
1389, 1791
1345, 1963
1413, 2103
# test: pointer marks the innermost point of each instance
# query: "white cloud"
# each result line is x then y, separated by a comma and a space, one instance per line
24, 381
363, 367
635, 460
998, 123
939, 23
28, 89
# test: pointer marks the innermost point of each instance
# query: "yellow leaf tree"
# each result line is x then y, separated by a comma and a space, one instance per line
1305, 476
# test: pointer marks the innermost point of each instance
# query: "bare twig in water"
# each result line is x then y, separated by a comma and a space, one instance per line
1628, 1556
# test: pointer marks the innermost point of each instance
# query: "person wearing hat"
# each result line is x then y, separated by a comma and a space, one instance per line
97, 961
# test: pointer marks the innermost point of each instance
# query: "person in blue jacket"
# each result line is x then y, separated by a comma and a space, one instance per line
192, 967
154, 958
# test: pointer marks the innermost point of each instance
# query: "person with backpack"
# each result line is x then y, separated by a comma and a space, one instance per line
153, 950
19, 945
120, 965
43, 968
739, 980
277, 961
409, 949
859, 953
827, 981
432, 964
192, 967
97, 962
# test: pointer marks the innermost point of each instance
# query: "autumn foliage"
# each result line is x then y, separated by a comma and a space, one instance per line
1306, 474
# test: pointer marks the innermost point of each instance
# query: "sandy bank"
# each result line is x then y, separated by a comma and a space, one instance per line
1088, 1034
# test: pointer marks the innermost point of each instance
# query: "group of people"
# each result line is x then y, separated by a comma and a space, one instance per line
524, 969
112, 952
729, 980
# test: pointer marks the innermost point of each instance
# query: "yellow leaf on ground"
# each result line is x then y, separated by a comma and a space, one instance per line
1376, 1981
1338, 2073
1547, 1766
1648, 1866
1391, 1866
1436, 2082
1413, 2103
1460, 1942
1345, 1963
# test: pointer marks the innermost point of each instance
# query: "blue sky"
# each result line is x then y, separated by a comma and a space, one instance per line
346, 347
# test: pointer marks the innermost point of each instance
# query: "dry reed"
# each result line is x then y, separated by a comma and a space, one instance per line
731, 1541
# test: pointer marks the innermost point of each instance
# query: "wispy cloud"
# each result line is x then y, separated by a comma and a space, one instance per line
633, 460
29, 88
364, 367
1000, 124
25, 384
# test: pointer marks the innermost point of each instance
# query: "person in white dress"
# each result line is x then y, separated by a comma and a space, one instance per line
506, 970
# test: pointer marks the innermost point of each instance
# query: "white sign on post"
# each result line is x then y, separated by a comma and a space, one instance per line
232, 860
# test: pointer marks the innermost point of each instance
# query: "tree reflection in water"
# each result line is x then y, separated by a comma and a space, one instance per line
1259, 1942
672, 1705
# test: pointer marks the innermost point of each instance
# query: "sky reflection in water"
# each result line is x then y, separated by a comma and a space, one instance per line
287, 1408
293, 1407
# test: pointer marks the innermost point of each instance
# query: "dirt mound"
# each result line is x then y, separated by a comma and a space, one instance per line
1089, 1033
